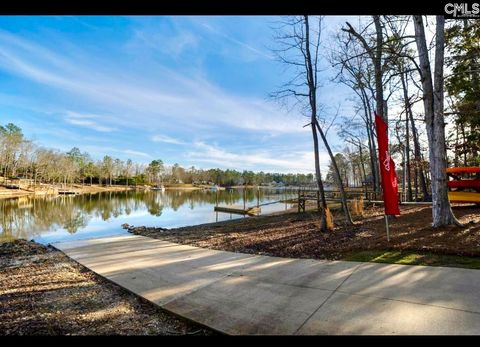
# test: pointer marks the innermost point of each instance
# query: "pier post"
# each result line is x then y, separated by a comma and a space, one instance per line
258, 196
244, 197
298, 202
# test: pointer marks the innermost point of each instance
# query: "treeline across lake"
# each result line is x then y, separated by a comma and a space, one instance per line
20, 158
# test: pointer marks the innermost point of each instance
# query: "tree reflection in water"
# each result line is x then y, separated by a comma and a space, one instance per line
28, 217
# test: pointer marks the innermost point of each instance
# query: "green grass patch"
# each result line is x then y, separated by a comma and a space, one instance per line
414, 258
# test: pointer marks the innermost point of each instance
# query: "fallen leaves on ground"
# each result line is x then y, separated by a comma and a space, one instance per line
43, 292
297, 235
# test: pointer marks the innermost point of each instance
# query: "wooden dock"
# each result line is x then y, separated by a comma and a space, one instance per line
239, 210
67, 192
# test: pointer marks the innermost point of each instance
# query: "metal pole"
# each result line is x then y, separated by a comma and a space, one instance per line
386, 225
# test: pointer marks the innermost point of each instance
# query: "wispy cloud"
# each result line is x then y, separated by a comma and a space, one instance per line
238, 42
136, 153
114, 151
167, 139
297, 161
172, 45
88, 121
175, 98
141, 99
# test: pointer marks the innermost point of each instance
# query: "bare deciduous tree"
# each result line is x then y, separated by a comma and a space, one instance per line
299, 49
434, 118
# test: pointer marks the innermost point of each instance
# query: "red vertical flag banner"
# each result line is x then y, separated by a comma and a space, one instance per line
387, 169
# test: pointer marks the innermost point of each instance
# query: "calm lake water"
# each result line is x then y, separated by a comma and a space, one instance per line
64, 218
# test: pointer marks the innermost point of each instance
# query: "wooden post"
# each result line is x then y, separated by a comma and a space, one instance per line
244, 197
298, 200
258, 196
386, 225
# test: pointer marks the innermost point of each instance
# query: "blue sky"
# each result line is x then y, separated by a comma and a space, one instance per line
186, 89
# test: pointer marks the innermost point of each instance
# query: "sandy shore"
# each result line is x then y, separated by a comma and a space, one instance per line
43, 292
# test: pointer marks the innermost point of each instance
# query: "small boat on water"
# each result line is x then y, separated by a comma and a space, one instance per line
215, 188
160, 188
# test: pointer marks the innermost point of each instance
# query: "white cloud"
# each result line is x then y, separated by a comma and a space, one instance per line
188, 102
99, 152
137, 153
88, 121
238, 42
288, 161
171, 45
166, 139
161, 101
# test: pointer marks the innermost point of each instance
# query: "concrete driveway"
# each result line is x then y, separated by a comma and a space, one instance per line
239, 293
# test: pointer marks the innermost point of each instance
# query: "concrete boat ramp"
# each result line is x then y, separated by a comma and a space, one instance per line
243, 294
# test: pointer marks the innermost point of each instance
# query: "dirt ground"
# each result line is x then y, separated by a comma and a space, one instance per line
297, 235
43, 292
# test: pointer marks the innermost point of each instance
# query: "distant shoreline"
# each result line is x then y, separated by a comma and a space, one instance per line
54, 190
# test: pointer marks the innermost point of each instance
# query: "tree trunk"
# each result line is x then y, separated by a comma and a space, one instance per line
313, 103
371, 142
433, 103
362, 161
464, 145
418, 160
377, 63
312, 87
455, 160
407, 135
323, 219
343, 196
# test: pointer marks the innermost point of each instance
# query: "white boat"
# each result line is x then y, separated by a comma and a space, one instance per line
161, 188
215, 188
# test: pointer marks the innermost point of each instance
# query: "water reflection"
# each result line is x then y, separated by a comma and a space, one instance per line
51, 219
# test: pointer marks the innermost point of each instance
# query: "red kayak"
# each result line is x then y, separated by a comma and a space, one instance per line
466, 169
473, 184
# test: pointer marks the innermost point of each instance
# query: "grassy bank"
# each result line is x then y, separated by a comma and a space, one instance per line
43, 292
414, 258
